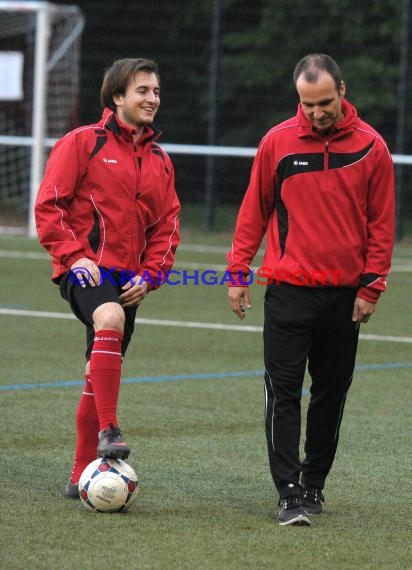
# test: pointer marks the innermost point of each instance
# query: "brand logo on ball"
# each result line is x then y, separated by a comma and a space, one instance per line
107, 493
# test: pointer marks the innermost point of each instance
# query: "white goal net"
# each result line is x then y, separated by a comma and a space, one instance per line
39, 96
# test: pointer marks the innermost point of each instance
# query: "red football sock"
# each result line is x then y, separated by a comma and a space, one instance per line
87, 425
105, 371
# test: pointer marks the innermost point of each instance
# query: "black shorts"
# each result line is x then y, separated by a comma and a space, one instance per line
84, 301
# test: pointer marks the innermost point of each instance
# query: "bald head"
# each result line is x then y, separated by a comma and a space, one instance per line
313, 65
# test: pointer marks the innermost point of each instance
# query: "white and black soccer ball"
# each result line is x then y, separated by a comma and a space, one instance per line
108, 486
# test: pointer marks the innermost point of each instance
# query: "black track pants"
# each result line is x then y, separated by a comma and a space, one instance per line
306, 326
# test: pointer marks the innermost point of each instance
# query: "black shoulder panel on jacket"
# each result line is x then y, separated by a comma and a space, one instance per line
101, 140
300, 164
113, 125
159, 152
340, 160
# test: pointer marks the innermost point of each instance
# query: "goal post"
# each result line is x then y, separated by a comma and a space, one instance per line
39, 93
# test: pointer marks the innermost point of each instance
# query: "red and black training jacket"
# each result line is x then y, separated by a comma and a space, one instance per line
109, 199
326, 205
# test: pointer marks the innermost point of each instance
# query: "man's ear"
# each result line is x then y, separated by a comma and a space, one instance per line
117, 99
342, 89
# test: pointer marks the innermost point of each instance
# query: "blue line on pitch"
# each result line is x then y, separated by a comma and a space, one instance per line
140, 380
389, 366
200, 376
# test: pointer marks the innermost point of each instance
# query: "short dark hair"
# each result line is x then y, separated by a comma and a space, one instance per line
310, 66
117, 78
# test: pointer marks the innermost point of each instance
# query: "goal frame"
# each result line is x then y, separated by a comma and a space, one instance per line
38, 142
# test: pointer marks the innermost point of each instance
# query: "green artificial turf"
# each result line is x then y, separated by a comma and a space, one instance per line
191, 406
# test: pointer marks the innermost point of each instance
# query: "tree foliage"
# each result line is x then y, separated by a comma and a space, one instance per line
259, 55
260, 44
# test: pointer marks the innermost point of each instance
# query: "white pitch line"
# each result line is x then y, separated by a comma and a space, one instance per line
40, 314
182, 247
45, 257
195, 265
401, 269
197, 325
386, 338
12, 254
13, 230
198, 248
186, 324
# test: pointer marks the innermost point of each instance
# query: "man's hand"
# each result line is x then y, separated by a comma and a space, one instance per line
85, 271
362, 311
239, 299
135, 291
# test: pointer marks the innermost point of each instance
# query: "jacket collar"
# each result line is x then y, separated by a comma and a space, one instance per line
346, 124
112, 122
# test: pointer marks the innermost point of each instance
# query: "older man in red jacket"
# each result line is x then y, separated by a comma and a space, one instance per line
322, 190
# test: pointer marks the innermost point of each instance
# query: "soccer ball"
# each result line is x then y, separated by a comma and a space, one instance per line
108, 485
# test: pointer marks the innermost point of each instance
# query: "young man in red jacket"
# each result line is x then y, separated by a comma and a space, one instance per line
322, 189
107, 212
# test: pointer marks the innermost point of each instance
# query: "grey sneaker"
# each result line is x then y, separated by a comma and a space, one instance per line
312, 500
291, 511
111, 444
72, 490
